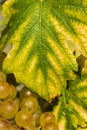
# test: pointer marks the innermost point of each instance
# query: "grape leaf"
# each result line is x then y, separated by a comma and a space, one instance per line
42, 33
71, 113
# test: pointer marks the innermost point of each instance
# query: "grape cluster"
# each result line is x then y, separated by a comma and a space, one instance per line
21, 110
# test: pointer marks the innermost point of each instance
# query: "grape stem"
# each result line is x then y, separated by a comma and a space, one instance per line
39, 128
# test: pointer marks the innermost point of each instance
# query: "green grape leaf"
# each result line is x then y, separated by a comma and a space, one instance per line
71, 112
44, 34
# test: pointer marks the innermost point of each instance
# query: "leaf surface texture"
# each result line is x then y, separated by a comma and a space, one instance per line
44, 35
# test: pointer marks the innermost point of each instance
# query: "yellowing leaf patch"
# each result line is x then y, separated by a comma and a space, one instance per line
40, 31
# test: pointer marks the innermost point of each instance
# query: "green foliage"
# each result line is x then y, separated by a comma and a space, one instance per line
72, 112
42, 33
49, 53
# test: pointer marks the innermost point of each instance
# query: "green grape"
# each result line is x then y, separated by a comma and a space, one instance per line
13, 92
47, 117
10, 108
36, 117
1, 103
4, 90
4, 124
14, 127
2, 77
50, 126
24, 93
24, 118
17, 101
30, 127
30, 103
